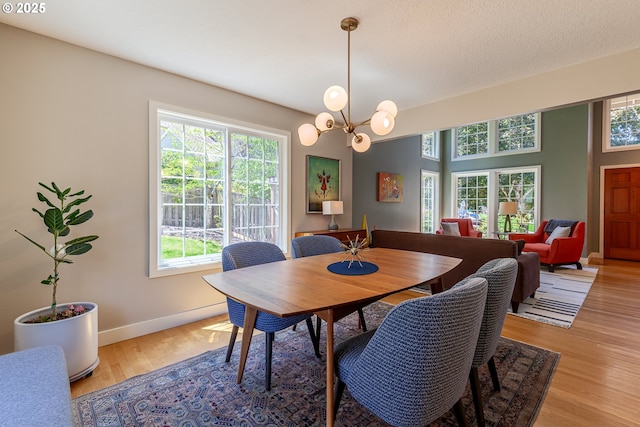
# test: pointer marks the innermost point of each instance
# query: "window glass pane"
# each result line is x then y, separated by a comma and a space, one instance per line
517, 133
472, 139
625, 121
518, 187
203, 206
428, 202
430, 145
472, 200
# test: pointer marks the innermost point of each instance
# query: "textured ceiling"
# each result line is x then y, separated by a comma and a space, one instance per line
289, 51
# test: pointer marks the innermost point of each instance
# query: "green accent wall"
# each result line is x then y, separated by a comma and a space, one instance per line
564, 160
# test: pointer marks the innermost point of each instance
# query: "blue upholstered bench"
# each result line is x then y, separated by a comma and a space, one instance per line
34, 388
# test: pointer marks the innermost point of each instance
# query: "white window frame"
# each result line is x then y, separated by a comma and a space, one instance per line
493, 143
158, 269
492, 192
435, 205
606, 123
434, 145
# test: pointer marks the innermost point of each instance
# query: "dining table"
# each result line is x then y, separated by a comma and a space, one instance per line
306, 285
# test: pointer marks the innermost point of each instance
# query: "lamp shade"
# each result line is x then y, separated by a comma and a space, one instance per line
332, 208
507, 208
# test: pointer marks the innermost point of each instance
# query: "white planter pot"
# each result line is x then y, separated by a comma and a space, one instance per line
78, 337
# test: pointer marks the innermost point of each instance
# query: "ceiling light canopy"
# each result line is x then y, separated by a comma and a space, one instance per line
336, 99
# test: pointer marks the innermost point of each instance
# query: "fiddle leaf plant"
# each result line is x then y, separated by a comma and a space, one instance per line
59, 218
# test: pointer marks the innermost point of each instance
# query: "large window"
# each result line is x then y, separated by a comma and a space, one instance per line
622, 123
211, 184
511, 135
477, 196
429, 201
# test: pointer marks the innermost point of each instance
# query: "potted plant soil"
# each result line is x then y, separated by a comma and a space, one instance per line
73, 326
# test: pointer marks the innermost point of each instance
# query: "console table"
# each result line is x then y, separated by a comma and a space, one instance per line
342, 234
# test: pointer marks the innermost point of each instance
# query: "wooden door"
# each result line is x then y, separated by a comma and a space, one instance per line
622, 213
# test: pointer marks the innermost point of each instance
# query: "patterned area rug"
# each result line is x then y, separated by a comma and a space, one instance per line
202, 391
560, 296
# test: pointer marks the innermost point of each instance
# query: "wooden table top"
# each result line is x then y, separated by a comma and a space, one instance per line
304, 285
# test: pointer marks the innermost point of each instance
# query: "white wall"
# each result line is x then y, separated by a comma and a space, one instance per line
80, 118
579, 83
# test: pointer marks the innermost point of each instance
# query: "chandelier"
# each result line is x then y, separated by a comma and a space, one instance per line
336, 99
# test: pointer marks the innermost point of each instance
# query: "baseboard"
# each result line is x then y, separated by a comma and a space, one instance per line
134, 330
594, 258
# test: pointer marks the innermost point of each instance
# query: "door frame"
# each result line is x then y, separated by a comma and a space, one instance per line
602, 190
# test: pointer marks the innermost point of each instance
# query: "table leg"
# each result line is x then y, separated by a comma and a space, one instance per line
250, 314
330, 403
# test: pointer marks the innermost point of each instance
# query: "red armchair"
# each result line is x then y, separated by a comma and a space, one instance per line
562, 250
464, 225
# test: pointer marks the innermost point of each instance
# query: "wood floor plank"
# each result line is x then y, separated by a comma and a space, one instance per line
596, 383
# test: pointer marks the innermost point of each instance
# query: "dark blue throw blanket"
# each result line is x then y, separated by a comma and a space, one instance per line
553, 223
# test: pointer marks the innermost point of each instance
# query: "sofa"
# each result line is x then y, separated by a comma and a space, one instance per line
34, 388
473, 252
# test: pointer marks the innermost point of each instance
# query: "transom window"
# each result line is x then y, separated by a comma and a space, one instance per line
211, 184
622, 123
511, 135
430, 145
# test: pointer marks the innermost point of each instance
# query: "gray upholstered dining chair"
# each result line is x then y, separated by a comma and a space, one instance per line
414, 379
246, 254
501, 275
318, 245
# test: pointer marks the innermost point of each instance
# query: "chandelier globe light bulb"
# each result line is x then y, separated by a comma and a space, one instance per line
308, 134
335, 98
389, 106
382, 122
324, 121
361, 142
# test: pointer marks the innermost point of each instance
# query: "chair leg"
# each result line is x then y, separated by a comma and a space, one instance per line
232, 341
476, 391
337, 396
318, 328
315, 339
494, 374
551, 268
514, 306
458, 410
269, 337
362, 322
579, 265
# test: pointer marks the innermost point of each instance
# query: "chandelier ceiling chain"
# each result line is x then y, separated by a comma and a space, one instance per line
336, 99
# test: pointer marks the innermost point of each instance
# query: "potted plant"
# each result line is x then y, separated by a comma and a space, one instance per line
73, 326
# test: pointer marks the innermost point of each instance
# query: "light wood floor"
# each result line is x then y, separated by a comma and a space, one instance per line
597, 382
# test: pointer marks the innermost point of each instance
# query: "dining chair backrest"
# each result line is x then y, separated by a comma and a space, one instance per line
501, 278
414, 378
314, 245
246, 254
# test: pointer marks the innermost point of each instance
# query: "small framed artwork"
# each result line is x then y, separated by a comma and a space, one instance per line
323, 182
390, 187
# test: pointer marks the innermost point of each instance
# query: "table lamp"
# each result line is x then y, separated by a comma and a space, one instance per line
332, 208
508, 209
